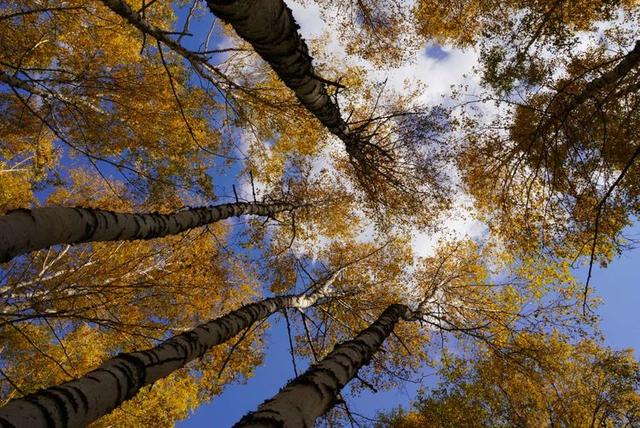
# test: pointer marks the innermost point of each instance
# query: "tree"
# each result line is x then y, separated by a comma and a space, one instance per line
83, 400
383, 152
311, 394
26, 230
515, 38
120, 297
542, 380
564, 161
101, 390
84, 81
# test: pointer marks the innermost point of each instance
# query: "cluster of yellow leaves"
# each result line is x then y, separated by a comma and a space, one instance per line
462, 22
453, 22
484, 291
105, 97
542, 172
379, 32
26, 154
522, 42
542, 381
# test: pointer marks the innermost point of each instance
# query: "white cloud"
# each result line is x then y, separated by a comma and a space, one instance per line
436, 69
459, 224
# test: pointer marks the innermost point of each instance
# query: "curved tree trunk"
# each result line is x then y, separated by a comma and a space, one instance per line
313, 393
270, 28
83, 400
23, 230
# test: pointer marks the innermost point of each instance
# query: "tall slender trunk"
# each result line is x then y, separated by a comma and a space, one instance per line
630, 61
24, 230
269, 26
619, 72
313, 393
198, 61
85, 399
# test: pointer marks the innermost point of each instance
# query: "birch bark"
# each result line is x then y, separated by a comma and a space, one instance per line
269, 26
22, 231
83, 400
313, 393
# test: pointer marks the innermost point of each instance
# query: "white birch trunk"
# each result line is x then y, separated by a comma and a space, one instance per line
24, 230
83, 400
269, 26
313, 393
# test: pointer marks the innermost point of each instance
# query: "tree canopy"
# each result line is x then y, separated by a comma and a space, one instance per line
175, 174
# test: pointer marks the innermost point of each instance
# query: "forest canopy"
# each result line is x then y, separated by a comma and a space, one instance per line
409, 187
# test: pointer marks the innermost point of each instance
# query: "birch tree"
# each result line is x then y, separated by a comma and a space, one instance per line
568, 157
542, 380
26, 230
83, 400
313, 393
123, 296
385, 156
135, 90
451, 295
83, 82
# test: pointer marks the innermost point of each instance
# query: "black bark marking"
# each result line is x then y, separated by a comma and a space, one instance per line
59, 404
119, 396
116, 219
137, 233
136, 375
263, 421
68, 395
82, 396
48, 417
167, 361
90, 229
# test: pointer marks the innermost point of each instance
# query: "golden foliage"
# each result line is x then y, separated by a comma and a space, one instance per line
542, 381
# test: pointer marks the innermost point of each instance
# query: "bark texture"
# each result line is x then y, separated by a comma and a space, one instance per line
83, 400
24, 230
313, 393
269, 26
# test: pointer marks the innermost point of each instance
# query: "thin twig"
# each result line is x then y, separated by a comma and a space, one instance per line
293, 357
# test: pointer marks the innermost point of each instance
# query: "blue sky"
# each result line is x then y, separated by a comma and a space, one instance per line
618, 285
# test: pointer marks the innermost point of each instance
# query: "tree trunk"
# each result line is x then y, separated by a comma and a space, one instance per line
619, 72
198, 61
269, 26
24, 230
605, 81
83, 400
313, 393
